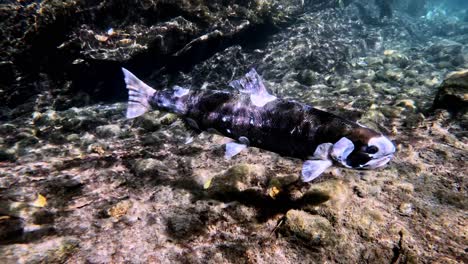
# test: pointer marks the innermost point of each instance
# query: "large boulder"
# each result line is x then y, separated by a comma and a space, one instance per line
453, 93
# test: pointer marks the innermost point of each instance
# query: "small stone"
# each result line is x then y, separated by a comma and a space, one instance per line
314, 229
108, 131
10, 226
149, 167
406, 103
185, 224
238, 178
87, 139
27, 142
363, 89
45, 119
444, 65
120, 209
279, 183
374, 61
391, 111
411, 73
389, 52
372, 116
98, 148
150, 121
414, 120
73, 138
359, 74
307, 77
362, 103
393, 75
406, 209
7, 128
167, 119
7, 155
52, 250
369, 223
43, 216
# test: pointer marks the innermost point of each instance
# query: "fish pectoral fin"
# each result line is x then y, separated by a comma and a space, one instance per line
314, 168
322, 151
341, 149
233, 148
139, 94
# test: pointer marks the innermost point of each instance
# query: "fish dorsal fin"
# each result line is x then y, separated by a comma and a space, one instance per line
252, 84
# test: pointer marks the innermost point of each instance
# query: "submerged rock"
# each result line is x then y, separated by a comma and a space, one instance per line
150, 167
54, 250
108, 131
238, 178
453, 93
327, 198
313, 229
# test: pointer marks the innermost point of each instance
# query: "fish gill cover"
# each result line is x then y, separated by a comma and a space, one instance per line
81, 183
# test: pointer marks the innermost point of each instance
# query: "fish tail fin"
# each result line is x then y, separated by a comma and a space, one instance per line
139, 94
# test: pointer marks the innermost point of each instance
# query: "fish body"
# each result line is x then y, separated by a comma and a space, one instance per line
253, 117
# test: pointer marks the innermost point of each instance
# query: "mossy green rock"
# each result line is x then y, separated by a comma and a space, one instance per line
314, 229
238, 178
327, 198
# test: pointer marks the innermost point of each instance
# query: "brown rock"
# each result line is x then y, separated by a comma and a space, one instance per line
327, 198
453, 93
315, 229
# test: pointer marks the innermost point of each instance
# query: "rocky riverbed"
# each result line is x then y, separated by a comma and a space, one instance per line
80, 183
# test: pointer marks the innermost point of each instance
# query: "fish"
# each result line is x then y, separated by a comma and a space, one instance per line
252, 116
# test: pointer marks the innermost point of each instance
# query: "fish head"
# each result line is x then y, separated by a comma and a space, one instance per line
365, 149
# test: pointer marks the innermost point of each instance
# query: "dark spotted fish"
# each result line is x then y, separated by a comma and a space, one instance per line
254, 117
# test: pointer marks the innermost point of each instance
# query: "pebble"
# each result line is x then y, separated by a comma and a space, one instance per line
108, 131
406, 209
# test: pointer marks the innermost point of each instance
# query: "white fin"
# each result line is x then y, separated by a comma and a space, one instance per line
261, 99
233, 149
244, 140
341, 150
322, 151
180, 91
314, 168
138, 95
252, 84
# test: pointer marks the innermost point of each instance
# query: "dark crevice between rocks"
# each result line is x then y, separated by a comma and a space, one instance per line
103, 80
43, 45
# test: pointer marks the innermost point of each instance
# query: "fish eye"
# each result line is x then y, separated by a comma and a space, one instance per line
372, 149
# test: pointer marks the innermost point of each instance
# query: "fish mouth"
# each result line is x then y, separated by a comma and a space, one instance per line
365, 162
377, 163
